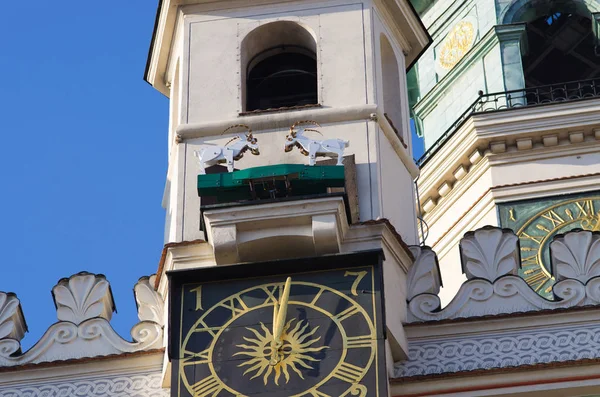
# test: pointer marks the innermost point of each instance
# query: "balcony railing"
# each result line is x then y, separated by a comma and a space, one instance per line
527, 97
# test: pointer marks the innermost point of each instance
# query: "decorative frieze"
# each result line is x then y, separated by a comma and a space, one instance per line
490, 260
84, 306
468, 352
146, 385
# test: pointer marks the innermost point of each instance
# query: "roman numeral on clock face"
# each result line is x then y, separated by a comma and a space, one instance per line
196, 358
209, 386
355, 342
236, 305
349, 373
349, 312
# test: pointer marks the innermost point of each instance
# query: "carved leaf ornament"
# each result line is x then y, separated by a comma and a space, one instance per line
149, 301
489, 253
490, 259
84, 306
9, 306
576, 255
82, 297
424, 275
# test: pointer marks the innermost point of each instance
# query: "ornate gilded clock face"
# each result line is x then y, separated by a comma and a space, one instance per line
248, 337
537, 222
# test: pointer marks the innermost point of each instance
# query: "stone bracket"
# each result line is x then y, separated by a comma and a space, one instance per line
309, 227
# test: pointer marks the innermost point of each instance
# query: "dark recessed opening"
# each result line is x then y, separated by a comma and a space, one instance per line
561, 49
282, 80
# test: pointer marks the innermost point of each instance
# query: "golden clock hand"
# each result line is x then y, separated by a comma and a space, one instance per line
282, 311
275, 312
279, 312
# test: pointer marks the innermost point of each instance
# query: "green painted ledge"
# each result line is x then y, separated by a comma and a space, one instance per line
282, 180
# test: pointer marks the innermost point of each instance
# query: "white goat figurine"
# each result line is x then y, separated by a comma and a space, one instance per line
209, 155
311, 148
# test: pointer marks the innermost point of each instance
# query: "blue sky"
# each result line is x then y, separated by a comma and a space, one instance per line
82, 151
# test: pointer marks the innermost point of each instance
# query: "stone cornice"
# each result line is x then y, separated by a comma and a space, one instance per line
516, 135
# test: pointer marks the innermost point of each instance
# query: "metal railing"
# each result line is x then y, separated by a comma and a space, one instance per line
507, 100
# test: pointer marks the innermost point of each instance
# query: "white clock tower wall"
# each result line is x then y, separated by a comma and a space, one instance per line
216, 78
361, 79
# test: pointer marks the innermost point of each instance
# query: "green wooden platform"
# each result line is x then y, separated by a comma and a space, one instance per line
282, 180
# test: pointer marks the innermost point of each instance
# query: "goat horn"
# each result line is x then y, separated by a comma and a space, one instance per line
248, 129
305, 122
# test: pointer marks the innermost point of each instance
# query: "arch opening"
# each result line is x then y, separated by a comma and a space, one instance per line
280, 67
392, 105
561, 43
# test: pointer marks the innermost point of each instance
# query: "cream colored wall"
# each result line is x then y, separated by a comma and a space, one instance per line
212, 65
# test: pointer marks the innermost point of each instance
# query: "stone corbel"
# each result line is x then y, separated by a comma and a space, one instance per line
305, 227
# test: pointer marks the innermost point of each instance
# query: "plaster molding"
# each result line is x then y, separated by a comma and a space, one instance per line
84, 306
490, 260
502, 349
275, 121
147, 385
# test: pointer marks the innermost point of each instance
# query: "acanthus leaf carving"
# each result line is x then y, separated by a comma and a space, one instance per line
83, 296
489, 253
149, 302
424, 275
84, 307
12, 323
576, 255
490, 259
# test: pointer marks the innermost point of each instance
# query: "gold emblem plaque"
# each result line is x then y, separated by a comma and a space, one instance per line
457, 43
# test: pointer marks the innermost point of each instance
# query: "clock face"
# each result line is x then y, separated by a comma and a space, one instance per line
537, 222
317, 336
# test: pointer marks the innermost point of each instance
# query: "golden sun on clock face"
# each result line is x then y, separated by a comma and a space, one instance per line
536, 224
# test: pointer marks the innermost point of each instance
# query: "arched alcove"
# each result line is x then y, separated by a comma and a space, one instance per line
279, 62
392, 106
561, 43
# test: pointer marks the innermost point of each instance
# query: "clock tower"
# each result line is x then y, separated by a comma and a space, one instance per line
289, 139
